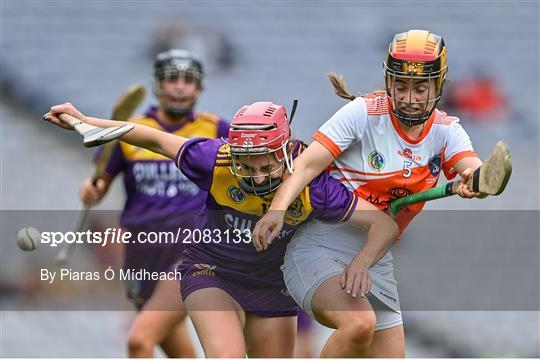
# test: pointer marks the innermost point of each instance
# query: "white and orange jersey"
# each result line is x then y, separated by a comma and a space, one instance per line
376, 159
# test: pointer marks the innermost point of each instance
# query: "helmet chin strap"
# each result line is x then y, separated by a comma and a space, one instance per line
288, 157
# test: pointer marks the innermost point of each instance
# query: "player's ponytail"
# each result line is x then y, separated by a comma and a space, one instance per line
339, 86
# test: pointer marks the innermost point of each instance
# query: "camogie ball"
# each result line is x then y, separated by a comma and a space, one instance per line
28, 238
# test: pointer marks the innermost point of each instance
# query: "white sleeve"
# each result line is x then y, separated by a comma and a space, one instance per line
345, 127
458, 146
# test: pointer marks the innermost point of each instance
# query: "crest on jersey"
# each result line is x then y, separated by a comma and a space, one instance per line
435, 165
376, 160
235, 194
295, 209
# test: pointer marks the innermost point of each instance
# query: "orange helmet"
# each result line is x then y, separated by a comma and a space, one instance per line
412, 56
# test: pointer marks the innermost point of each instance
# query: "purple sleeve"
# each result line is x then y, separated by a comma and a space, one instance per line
116, 163
223, 129
331, 201
197, 158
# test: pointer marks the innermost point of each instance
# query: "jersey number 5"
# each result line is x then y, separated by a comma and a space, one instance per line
407, 171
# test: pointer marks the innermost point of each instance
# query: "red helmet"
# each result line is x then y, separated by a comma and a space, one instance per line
261, 128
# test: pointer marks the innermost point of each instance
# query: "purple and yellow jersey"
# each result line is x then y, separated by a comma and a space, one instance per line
159, 197
206, 162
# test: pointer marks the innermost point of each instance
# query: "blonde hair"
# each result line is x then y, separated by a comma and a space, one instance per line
340, 88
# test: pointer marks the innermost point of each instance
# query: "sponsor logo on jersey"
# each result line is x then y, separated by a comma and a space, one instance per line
238, 222
435, 165
235, 194
295, 209
375, 199
376, 160
162, 179
407, 153
399, 192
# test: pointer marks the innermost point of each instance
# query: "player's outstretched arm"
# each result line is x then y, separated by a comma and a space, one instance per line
141, 136
382, 233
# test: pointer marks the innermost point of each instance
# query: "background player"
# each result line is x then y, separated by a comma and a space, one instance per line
250, 311
382, 146
160, 198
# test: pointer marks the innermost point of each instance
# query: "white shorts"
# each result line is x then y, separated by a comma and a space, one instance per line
320, 250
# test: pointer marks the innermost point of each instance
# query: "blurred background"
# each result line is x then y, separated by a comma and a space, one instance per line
89, 52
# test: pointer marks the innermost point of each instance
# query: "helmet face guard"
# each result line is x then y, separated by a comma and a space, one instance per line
259, 140
243, 164
413, 57
408, 111
170, 66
